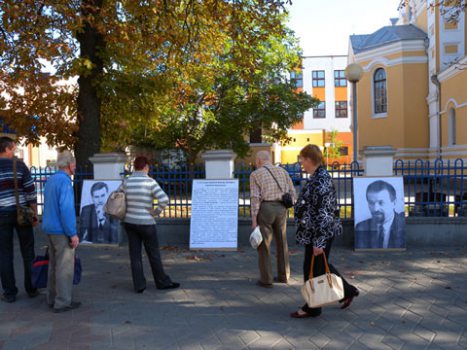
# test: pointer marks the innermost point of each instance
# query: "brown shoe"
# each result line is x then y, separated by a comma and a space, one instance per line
172, 285
8, 298
302, 314
72, 306
347, 301
277, 280
264, 285
33, 294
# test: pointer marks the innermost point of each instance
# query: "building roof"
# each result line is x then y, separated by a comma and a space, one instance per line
386, 35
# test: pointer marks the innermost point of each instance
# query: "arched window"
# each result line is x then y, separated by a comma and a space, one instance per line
379, 92
452, 127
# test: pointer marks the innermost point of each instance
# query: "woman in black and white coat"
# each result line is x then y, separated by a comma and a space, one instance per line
318, 222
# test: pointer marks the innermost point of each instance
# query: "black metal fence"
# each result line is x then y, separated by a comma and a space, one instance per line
436, 188
177, 183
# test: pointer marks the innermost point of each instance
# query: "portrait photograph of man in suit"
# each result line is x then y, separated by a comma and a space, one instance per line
383, 199
96, 226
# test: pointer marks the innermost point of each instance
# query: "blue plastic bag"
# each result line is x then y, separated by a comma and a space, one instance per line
78, 270
40, 269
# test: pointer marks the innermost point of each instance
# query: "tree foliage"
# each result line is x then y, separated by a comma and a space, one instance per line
216, 105
159, 72
450, 9
332, 152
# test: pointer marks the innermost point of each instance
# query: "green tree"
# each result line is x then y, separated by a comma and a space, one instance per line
111, 46
332, 152
217, 105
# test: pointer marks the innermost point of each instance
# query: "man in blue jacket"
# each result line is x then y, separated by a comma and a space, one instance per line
59, 223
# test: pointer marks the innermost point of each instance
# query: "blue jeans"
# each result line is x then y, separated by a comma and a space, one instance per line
147, 235
26, 241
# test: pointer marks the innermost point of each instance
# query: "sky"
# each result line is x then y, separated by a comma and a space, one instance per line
324, 26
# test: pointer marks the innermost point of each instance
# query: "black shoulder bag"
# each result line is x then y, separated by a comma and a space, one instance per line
287, 199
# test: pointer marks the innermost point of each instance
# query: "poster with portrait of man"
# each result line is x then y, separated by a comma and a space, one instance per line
95, 226
379, 213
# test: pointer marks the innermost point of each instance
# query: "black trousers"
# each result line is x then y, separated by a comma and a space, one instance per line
146, 235
26, 242
318, 269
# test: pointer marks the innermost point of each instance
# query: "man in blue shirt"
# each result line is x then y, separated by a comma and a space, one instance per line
8, 222
59, 223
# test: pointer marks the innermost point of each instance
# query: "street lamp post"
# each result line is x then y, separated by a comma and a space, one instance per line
353, 73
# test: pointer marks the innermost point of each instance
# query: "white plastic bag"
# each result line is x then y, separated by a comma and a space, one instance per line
256, 238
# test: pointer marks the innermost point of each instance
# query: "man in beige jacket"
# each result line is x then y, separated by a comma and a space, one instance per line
268, 211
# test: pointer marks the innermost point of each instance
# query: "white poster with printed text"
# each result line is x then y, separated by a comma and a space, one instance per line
214, 214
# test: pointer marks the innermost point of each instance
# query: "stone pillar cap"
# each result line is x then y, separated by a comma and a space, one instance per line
108, 158
379, 151
222, 154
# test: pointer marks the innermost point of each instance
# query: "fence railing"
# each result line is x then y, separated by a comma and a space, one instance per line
177, 183
436, 188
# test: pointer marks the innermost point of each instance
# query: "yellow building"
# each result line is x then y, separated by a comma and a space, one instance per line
413, 93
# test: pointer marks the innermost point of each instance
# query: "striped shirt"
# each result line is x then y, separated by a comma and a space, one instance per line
26, 189
140, 192
264, 188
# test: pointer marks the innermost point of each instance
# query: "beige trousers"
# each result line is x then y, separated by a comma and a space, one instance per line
61, 270
272, 219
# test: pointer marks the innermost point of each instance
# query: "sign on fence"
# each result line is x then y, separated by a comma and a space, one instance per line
379, 213
95, 226
214, 214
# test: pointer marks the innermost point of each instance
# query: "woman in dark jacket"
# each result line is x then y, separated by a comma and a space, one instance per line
318, 222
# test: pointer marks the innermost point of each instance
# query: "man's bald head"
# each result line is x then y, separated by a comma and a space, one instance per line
263, 157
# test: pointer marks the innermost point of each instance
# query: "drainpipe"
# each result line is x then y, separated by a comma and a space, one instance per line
435, 81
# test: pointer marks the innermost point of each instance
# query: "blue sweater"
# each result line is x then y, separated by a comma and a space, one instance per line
59, 215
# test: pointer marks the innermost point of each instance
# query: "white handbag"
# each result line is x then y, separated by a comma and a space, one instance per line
116, 205
322, 290
256, 238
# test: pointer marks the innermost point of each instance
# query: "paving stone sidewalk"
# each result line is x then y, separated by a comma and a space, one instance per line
409, 300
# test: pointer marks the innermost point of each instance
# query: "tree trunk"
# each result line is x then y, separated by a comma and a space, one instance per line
89, 103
